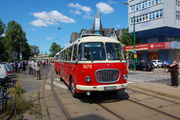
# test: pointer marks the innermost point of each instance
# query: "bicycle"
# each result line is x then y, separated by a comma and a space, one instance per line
7, 104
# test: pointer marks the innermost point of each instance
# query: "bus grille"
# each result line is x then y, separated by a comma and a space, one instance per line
107, 75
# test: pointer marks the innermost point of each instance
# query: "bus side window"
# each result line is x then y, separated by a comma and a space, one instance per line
74, 53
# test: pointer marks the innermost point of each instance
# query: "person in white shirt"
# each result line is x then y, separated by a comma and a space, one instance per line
37, 69
32, 68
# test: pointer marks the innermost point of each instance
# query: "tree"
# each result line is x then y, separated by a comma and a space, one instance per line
54, 49
2, 47
16, 41
127, 39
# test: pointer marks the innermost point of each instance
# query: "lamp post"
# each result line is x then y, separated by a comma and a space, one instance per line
134, 41
20, 51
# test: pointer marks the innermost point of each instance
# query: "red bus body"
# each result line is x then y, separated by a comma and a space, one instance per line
93, 75
56, 63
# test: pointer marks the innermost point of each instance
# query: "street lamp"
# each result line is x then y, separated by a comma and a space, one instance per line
134, 41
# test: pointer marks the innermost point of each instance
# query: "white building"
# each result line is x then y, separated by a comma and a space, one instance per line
156, 21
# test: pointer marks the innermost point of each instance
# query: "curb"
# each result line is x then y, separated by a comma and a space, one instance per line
156, 92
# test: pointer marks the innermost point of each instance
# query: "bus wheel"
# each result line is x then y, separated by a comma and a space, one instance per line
72, 88
56, 72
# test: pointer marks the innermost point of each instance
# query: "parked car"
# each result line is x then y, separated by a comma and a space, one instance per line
157, 63
9, 70
3, 71
143, 66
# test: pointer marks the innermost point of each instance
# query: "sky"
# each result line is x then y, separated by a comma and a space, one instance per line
48, 21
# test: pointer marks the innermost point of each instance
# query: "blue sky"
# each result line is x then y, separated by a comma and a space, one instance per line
48, 21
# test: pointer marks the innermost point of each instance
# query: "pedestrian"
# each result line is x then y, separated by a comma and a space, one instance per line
37, 69
19, 67
23, 67
32, 68
174, 67
29, 66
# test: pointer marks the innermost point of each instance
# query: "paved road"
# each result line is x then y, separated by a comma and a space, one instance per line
30, 83
158, 76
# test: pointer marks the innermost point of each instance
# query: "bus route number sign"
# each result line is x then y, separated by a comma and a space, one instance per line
87, 66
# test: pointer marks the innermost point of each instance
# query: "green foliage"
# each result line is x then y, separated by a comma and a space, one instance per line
21, 103
16, 40
54, 49
2, 47
127, 38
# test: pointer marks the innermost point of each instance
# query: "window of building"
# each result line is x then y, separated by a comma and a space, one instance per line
178, 15
178, 2
150, 16
146, 4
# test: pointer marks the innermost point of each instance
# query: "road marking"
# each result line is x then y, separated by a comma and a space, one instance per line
60, 85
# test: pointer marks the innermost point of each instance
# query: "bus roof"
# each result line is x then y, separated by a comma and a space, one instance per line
92, 38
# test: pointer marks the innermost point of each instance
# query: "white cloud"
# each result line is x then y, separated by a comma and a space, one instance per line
80, 7
48, 38
76, 12
48, 18
104, 8
38, 23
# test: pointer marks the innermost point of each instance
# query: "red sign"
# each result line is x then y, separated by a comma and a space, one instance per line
149, 46
138, 47
160, 45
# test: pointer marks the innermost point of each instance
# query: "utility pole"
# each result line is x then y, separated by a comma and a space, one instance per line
134, 40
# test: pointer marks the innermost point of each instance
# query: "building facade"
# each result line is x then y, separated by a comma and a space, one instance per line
157, 24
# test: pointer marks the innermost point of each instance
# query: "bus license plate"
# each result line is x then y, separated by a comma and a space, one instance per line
110, 88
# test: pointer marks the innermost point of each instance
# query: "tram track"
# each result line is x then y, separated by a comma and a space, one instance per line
114, 111
151, 108
155, 96
58, 101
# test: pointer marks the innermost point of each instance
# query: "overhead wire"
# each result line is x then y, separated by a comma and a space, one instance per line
60, 27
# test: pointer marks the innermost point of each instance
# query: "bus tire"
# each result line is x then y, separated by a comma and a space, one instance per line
72, 89
56, 72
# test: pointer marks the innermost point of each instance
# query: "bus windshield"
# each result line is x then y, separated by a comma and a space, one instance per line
114, 51
99, 51
91, 51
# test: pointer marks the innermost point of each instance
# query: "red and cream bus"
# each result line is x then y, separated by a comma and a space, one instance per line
93, 63
56, 63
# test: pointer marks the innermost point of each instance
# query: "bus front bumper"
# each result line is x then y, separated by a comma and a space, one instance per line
101, 87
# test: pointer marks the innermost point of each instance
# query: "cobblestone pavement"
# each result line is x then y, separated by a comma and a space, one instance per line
141, 76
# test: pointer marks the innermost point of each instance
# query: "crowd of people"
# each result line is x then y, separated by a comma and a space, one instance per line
32, 65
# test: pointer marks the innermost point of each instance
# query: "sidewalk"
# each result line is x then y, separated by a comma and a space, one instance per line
158, 88
155, 87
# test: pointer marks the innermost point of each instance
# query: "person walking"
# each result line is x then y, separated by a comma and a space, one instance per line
32, 68
37, 69
174, 73
23, 67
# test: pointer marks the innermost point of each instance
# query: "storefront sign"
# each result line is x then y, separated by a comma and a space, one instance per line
138, 47
160, 45
149, 46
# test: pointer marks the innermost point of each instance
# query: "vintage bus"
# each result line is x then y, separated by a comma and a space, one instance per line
93, 63
56, 63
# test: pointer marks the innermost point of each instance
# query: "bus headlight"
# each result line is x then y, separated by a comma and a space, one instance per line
125, 77
88, 79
